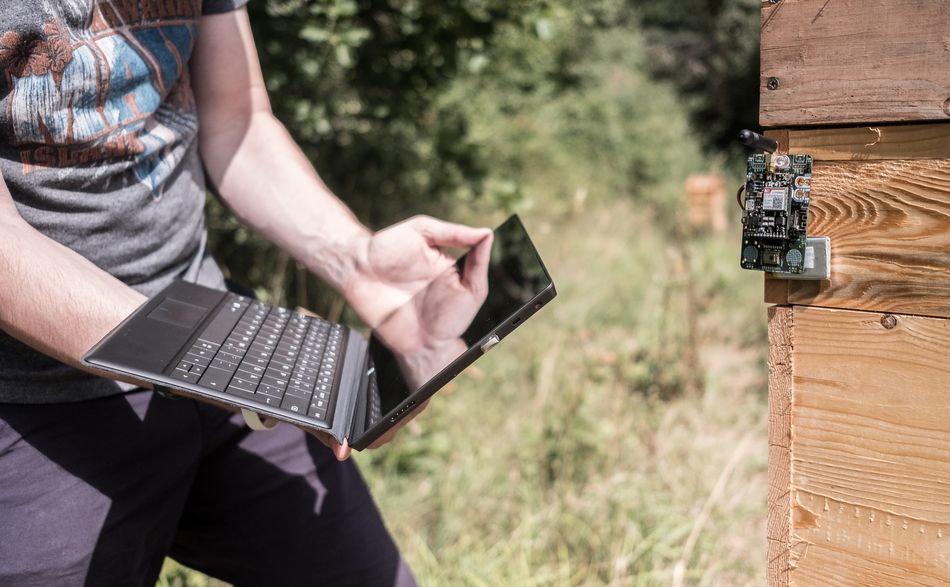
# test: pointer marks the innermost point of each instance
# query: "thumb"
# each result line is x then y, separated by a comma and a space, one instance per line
475, 274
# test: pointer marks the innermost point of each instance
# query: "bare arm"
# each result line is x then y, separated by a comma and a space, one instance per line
267, 181
36, 307
257, 168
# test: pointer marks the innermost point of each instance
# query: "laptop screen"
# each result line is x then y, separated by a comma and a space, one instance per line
446, 319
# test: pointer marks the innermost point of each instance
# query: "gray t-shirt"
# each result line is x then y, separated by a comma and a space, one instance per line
98, 128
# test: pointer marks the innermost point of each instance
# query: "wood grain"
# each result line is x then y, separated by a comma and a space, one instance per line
780, 443
870, 449
854, 61
869, 143
889, 223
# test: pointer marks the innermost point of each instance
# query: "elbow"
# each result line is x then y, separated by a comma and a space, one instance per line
221, 139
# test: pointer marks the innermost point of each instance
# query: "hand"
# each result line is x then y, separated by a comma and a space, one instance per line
399, 261
425, 333
413, 296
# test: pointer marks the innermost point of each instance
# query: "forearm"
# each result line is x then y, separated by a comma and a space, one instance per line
270, 185
52, 298
256, 167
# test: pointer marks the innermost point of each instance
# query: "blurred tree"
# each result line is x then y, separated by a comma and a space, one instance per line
710, 50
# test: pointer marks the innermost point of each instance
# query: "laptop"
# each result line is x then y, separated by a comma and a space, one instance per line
294, 367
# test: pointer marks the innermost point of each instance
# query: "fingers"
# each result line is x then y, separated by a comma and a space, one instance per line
340, 451
448, 234
475, 274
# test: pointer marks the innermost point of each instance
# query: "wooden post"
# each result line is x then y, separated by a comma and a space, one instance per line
859, 365
706, 201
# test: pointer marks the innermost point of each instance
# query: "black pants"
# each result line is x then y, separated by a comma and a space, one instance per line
99, 492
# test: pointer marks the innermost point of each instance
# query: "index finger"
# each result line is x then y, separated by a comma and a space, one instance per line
448, 234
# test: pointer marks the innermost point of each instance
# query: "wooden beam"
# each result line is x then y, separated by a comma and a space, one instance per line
889, 224
871, 143
869, 448
776, 291
854, 62
780, 444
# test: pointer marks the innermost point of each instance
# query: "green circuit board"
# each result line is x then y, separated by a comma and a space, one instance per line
775, 212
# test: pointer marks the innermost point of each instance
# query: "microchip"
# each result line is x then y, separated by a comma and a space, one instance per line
773, 198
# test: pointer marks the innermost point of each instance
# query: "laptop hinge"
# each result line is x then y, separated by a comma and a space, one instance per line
350, 381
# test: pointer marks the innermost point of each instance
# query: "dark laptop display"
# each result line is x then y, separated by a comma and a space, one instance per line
286, 365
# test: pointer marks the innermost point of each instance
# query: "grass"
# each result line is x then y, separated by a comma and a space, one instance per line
618, 439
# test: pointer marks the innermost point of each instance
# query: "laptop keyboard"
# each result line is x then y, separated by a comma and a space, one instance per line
269, 355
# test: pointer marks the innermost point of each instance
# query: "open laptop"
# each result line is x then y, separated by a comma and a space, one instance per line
272, 361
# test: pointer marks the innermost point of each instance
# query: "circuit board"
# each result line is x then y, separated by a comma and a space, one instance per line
775, 213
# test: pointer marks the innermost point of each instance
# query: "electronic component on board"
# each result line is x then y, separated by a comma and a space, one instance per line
774, 201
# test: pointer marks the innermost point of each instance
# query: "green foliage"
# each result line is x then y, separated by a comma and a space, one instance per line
355, 81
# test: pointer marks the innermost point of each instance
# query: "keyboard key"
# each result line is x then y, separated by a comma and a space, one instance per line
190, 367
237, 391
229, 366
251, 367
194, 359
263, 355
249, 375
229, 357
277, 372
183, 375
274, 382
239, 342
201, 352
242, 383
215, 378
207, 346
265, 389
257, 361
301, 392
294, 404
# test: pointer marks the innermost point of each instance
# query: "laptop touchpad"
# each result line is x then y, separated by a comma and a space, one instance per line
178, 313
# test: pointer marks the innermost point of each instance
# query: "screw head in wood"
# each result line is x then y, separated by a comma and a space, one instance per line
888, 321
772, 83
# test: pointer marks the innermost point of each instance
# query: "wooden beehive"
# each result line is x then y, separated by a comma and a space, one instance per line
706, 202
859, 365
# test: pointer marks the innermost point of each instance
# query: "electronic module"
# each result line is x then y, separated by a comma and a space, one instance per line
775, 213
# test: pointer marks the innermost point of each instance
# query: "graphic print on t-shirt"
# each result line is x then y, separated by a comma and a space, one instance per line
115, 87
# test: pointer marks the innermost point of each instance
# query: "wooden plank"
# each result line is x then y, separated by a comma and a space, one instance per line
889, 223
776, 291
871, 143
780, 443
854, 62
870, 449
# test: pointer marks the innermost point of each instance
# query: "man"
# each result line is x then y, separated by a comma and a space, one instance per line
113, 114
